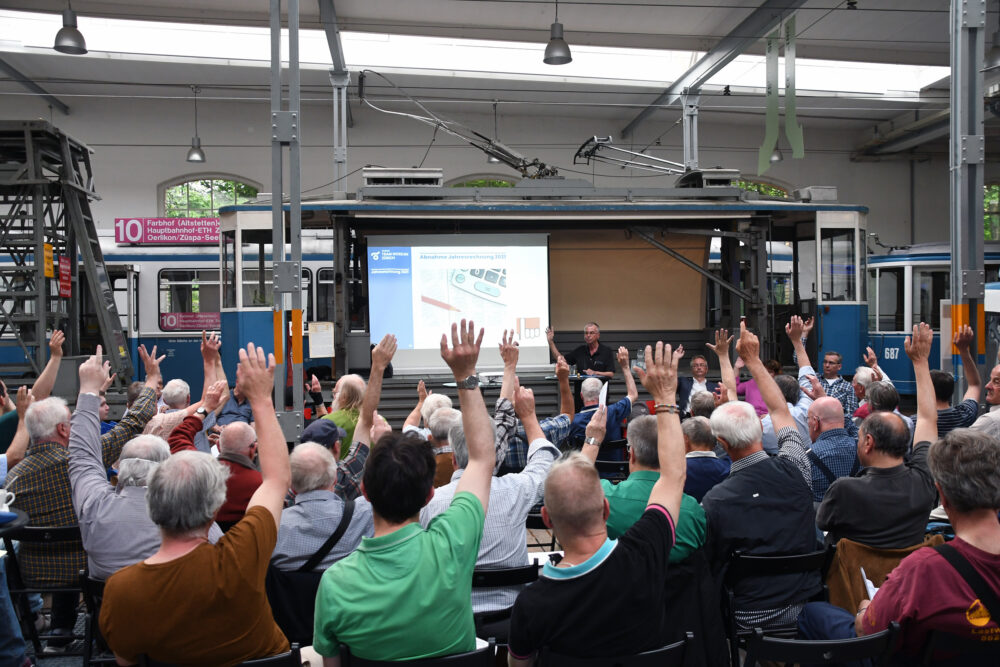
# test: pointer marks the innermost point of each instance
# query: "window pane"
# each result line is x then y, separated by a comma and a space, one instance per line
188, 300
890, 300
202, 198
837, 271
324, 296
929, 288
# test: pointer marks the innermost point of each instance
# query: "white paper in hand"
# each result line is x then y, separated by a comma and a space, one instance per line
603, 400
870, 588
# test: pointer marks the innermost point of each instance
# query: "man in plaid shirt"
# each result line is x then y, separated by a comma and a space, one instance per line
555, 429
41, 484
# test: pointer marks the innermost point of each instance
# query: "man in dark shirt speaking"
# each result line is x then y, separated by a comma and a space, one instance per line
591, 358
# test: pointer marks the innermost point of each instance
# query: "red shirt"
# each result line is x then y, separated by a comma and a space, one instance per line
926, 593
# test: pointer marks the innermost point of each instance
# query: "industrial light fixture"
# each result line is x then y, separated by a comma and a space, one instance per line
69, 39
557, 51
195, 154
493, 159
776, 155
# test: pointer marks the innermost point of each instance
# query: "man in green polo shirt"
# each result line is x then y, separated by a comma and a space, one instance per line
628, 499
405, 594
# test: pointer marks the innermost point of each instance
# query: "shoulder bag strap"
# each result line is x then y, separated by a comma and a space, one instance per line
973, 578
331, 541
814, 459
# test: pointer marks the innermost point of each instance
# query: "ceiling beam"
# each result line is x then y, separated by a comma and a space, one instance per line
328, 19
760, 22
26, 81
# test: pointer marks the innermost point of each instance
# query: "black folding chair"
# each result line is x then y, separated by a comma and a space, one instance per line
741, 566
93, 594
614, 450
481, 657
671, 655
290, 658
20, 589
876, 647
496, 624
947, 649
613, 471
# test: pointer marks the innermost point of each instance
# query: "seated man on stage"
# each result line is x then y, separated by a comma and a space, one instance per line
591, 358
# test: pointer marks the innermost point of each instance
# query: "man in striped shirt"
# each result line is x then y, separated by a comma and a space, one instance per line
965, 413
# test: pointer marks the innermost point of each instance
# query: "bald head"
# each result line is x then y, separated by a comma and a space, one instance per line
825, 414
237, 438
348, 392
574, 500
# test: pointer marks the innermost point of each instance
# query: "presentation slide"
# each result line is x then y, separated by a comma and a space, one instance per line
418, 285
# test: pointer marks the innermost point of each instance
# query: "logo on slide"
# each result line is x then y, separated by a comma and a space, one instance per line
375, 255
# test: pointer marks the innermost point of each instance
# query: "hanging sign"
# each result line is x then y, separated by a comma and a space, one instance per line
65, 276
167, 231
48, 263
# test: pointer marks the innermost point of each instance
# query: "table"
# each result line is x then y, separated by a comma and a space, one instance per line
17, 523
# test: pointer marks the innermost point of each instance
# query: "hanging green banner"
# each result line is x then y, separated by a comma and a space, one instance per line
771, 123
793, 131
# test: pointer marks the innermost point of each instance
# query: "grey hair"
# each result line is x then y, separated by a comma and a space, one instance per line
882, 396
701, 404
698, 431
432, 404
42, 418
737, 423
441, 421
863, 376
642, 439
139, 459
185, 492
573, 497
459, 447
237, 437
313, 467
789, 387
965, 463
176, 393
590, 389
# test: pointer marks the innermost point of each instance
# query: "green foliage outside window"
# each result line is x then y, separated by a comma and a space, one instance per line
765, 189
485, 183
991, 212
202, 198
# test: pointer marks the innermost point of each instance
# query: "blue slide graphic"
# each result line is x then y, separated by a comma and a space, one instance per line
390, 277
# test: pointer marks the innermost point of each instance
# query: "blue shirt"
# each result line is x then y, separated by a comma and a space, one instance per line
704, 470
839, 452
616, 413
234, 411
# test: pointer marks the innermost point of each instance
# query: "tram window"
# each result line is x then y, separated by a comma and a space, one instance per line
120, 289
257, 292
838, 274
930, 287
229, 269
781, 288
806, 283
324, 295
890, 300
188, 300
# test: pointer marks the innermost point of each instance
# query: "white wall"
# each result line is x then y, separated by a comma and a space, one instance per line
139, 144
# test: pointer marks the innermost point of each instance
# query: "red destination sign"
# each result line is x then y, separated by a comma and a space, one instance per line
167, 231
189, 321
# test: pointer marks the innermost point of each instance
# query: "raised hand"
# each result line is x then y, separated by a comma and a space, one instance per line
56, 343
795, 328
93, 372
562, 368
314, 385
623, 358
24, 399
550, 334
379, 427
422, 392
210, 344
598, 426
807, 326
255, 374
871, 360
748, 345
108, 381
918, 345
963, 338
721, 345
151, 361
216, 395
524, 403
509, 350
660, 376
463, 354
721, 395
383, 352
739, 363
815, 390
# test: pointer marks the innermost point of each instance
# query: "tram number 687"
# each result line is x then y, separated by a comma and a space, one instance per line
891, 353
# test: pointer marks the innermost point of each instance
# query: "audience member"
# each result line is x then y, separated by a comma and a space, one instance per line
928, 591
11, 419
765, 505
606, 597
834, 385
114, 524
348, 393
590, 392
864, 376
702, 404
698, 382
318, 510
989, 422
591, 358
406, 593
834, 453
704, 468
440, 423
427, 403
326, 433
748, 391
193, 602
504, 541
42, 488
964, 414
18, 445
797, 400
883, 397
628, 499
555, 428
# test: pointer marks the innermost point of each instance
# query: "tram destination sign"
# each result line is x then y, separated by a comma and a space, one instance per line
166, 231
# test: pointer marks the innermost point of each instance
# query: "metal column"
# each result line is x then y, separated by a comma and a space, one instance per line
689, 102
966, 157
286, 130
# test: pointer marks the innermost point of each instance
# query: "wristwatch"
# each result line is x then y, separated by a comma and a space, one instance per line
591, 441
470, 382
201, 411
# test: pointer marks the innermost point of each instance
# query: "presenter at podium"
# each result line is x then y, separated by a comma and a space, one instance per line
591, 358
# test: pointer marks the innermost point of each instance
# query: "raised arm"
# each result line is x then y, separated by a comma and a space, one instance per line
963, 340
87, 474
566, 406
210, 345
42, 388
381, 357
255, 378
509, 353
19, 445
182, 436
721, 349
461, 358
413, 419
597, 428
139, 414
524, 408
550, 336
798, 330
630, 389
918, 349
660, 380
748, 347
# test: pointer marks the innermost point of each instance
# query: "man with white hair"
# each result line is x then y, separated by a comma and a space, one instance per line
317, 512
193, 602
590, 392
765, 505
989, 422
427, 403
114, 524
42, 487
440, 424
606, 597
348, 392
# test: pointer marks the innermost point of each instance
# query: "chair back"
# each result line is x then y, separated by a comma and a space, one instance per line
290, 658
847, 589
507, 576
46, 534
292, 596
93, 595
482, 657
534, 521
745, 565
946, 650
614, 450
671, 655
614, 471
875, 647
